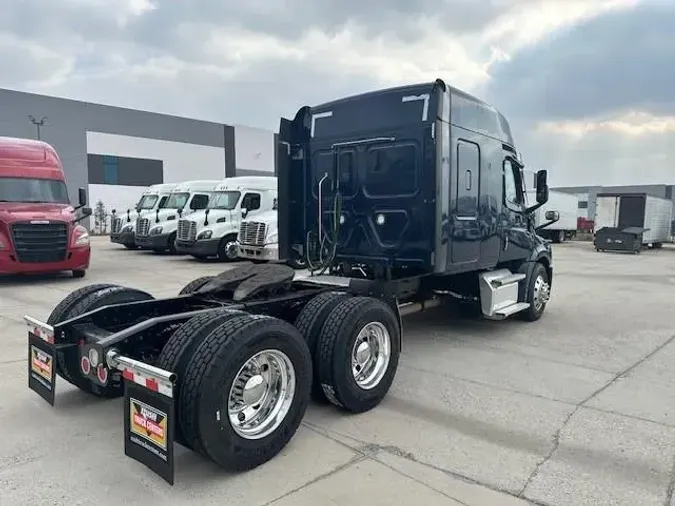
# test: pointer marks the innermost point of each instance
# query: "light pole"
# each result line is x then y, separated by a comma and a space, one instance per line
37, 123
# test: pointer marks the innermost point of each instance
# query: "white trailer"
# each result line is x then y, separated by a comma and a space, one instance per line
628, 221
567, 205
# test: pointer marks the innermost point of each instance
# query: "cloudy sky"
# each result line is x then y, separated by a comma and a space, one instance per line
588, 85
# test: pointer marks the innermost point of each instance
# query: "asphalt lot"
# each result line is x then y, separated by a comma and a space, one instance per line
576, 409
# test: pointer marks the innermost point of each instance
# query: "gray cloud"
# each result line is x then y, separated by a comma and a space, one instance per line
292, 18
602, 158
617, 61
160, 62
256, 96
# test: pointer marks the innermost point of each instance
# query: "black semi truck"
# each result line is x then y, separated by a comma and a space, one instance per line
399, 199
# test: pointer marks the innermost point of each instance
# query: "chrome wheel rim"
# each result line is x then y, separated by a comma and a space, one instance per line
231, 249
370, 355
261, 394
542, 293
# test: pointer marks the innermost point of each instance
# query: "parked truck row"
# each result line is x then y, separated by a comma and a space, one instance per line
382, 194
230, 219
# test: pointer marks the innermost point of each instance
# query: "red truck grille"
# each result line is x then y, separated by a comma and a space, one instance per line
40, 242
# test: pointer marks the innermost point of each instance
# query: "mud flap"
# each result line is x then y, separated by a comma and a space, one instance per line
149, 421
41, 367
41, 359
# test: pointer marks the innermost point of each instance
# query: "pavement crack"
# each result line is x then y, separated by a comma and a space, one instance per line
554, 448
370, 450
565, 422
628, 370
350, 462
671, 487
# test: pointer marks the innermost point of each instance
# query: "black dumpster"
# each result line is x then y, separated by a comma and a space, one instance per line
619, 239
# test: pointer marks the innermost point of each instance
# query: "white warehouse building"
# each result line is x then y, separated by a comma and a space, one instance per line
116, 153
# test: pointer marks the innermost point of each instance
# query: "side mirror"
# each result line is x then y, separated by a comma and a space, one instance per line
552, 215
244, 212
82, 196
207, 211
542, 187
114, 211
157, 216
86, 211
180, 212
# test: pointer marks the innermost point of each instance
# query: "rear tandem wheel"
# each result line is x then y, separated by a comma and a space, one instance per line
309, 322
77, 303
181, 346
358, 352
245, 390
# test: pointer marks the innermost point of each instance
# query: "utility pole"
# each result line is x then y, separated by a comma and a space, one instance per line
38, 124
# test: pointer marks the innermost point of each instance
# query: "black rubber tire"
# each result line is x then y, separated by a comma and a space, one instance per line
182, 344
79, 273
60, 312
297, 262
210, 374
222, 256
195, 285
309, 322
531, 314
172, 244
334, 348
130, 246
79, 302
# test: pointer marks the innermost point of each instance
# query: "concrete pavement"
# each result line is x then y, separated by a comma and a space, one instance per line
576, 409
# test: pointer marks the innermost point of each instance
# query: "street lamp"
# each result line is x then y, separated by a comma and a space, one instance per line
37, 123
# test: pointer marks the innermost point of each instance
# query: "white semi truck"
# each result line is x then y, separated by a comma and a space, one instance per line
157, 231
212, 232
123, 226
258, 240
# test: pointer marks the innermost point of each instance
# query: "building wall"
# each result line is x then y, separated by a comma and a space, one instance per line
132, 149
156, 161
255, 151
64, 129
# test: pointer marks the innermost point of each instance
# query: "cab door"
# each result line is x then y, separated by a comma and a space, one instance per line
517, 238
466, 232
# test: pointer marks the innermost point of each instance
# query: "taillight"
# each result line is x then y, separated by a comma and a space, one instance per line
102, 374
85, 365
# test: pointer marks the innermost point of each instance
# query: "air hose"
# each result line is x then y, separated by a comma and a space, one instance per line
327, 246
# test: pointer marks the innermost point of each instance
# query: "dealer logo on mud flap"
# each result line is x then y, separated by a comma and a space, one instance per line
148, 423
41, 363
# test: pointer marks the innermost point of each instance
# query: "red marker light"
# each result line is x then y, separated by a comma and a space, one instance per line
102, 374
85, 365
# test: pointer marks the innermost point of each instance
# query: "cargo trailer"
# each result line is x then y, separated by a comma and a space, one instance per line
566, 204
629, 221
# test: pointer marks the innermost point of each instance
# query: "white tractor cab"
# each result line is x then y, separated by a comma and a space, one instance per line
123, 225
213, 231
157, 231
258, 240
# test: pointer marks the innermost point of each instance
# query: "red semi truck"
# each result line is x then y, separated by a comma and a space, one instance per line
39, 228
